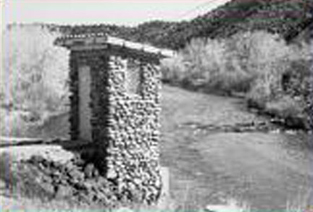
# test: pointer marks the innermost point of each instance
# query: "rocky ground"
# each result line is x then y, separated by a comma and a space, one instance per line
52, 173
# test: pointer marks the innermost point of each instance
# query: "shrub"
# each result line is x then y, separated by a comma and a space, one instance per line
34, 72
173, 70
271, 73
229, 65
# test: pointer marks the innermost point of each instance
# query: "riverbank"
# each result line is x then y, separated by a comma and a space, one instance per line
284, 114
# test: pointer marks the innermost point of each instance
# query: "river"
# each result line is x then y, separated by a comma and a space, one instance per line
266, 169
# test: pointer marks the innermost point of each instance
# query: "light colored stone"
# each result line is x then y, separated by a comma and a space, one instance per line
52, 153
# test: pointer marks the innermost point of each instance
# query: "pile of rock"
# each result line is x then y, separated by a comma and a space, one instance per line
75, 180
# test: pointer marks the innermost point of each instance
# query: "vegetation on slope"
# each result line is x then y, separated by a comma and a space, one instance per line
274, 16
285, 17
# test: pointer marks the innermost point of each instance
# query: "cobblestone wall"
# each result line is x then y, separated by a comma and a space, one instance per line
134, 132
125, 126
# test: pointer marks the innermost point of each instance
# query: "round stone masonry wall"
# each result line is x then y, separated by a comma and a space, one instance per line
133, 133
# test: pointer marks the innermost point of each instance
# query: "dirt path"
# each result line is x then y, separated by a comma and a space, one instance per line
265, 169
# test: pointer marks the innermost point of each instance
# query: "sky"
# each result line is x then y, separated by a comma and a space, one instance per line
121, 12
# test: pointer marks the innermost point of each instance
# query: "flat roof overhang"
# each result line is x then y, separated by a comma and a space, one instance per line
101, 41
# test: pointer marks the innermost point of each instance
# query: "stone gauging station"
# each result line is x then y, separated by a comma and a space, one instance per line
115, 104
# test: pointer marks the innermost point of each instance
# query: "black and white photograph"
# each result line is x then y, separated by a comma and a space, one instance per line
156, 105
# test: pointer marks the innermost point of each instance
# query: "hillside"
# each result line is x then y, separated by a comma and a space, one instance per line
285, 17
